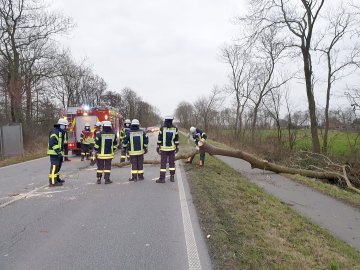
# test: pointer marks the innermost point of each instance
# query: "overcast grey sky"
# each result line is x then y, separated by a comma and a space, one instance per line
165, 50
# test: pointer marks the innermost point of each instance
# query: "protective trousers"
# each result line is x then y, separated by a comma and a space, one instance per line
202, 158
123, 155
85, 151
55, 166
137, 166
66, 151
103, 166
167, 156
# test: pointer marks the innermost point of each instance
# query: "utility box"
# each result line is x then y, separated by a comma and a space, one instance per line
11, 141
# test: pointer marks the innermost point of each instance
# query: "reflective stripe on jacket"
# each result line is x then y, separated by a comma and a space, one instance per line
135, 142
86, 137
56, 142
168, 138
105, 144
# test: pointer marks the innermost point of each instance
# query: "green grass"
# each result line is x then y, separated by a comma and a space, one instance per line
28, 156
250, 229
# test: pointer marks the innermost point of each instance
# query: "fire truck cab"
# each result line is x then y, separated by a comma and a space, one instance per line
78, 116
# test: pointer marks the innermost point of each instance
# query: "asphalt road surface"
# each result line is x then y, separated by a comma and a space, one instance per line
82, 225
338, 218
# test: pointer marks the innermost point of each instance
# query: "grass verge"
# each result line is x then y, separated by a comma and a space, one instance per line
28, 156
250, 229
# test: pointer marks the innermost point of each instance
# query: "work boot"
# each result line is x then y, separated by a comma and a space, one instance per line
160, 180
172, 178
57, 184
98, 181
82, 158
108, 181
87, 157
67, 159
141, 177
60, 180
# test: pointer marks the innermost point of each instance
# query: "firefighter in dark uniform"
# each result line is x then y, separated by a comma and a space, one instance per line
86, 138
105, 145
95, 131
198, 135
56, 152
167, 147
123, 131
136, 143
66, 147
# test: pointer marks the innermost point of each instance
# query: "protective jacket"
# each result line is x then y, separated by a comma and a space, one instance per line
198, 135
105, 144
56, 142
86, 137
136, 141
123, 132
168, 138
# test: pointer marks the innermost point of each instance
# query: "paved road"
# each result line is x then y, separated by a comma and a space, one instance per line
82, 225
340, 219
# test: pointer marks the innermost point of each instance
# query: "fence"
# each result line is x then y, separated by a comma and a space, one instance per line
11, 141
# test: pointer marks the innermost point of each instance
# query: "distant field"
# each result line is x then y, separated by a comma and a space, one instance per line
339, 143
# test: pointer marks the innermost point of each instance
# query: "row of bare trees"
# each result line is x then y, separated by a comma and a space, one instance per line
39, 78
284, 44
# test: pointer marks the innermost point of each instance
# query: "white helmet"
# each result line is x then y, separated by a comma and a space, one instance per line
98, 124
135, 122
63, 121
87, 125
106, 123
127, 121
169, 117
192, 129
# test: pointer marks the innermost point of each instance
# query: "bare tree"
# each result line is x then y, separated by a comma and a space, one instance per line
185, 114
299, 19
339, 59
238, 58
22, 23
205, 107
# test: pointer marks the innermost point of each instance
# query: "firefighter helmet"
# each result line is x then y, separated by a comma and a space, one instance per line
87, 125
106, 123
192, 129
135, 122
127, 121
98, 124
63, 121
168, 117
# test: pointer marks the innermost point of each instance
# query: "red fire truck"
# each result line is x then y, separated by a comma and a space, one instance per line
78, 116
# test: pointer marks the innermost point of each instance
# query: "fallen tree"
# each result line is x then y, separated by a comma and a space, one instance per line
255, 162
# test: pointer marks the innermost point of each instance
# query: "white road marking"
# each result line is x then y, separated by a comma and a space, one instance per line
20, 163
191, 247
22, 196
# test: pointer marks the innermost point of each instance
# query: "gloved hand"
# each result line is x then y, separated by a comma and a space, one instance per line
158, 150
177, 150
203, 140
145, 150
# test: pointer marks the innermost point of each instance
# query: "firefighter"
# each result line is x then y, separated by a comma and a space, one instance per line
136, 143
105, 145
167, 147
198, 135
95, 131
56, 152
86, 138
123, 131
66, 146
